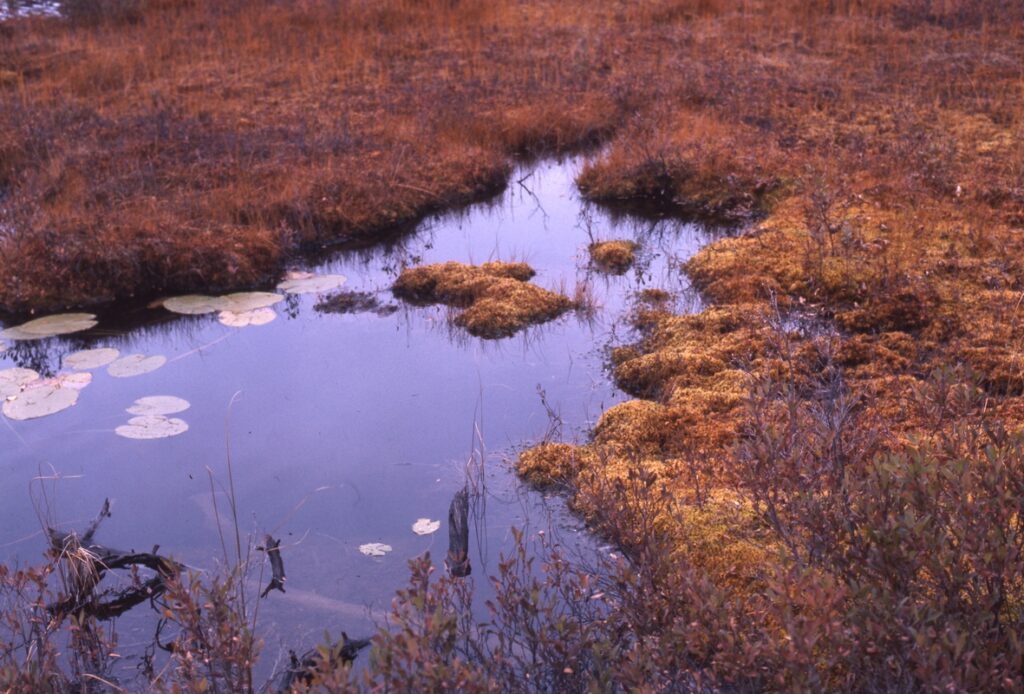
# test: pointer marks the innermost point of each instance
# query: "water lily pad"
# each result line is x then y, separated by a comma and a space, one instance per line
152, 427
77, 381
91, 358
48, 326
12, 381
40, 401
241, 302
259, 316
315, 284
158, 405
193, 304
135, 365
18, 334
425, 526
374, 549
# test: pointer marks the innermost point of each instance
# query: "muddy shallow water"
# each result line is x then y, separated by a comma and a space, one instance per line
344, 428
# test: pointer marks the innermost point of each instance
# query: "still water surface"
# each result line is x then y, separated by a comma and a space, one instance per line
343, 429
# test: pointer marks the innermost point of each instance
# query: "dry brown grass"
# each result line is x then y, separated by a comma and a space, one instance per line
195, 145
873, 148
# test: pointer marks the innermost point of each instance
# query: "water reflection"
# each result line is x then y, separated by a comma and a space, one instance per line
28, 8
344, 428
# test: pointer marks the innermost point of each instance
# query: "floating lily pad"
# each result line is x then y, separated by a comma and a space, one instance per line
374, 549
77, 381
158, 405
425, 526
19, 334
12, 381
48, 326
313, 284
40, 401
193, 304
241, 302
152, 427
91, 358
135, 365
259, 316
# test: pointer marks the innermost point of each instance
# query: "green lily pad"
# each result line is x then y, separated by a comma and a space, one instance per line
40, 401
259, 316
135, 365
425, 526
13, 380
77, 381
91, 358
374, 549
311, 284
48, 326
193, 304
240, 302
152, 427
158, 405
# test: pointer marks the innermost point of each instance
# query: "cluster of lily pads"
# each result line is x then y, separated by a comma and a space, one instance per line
28, 395
151, 420
243, 309
25, 394
422, 526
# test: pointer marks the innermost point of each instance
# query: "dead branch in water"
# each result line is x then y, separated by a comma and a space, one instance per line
88, 562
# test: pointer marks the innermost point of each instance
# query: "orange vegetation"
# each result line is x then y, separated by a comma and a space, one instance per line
496, 299
872, 149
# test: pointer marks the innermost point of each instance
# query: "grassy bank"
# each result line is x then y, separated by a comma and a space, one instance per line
194, 145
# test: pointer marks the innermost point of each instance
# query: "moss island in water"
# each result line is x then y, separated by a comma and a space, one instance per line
496, 299
613, 257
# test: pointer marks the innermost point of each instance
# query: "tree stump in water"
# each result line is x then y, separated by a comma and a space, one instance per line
458, 535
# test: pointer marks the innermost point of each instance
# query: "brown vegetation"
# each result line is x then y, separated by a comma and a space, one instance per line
496, 299
179, 146
811, 496
614, 257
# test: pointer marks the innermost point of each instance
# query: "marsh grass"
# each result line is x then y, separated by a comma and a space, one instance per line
175, 146
785, 530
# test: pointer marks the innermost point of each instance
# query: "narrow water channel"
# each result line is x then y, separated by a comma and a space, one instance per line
342, 429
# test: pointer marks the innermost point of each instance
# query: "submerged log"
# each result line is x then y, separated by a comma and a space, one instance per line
302, 670
458, 535
273, 549
122, 601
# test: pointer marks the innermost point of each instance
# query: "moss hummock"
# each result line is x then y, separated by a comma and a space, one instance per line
613, 257
497, 299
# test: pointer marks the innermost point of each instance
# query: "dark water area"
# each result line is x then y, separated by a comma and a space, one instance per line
343, 429
28, 8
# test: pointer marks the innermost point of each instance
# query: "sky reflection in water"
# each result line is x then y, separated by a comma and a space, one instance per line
344, 429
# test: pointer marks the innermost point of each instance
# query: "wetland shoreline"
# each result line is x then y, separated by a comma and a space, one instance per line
874, 151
